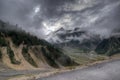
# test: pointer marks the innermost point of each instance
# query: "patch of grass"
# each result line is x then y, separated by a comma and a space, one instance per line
71, 67
28, 57
80, 59
84, 59
98, 58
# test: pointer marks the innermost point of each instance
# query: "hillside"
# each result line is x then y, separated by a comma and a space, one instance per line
109, 46
80, 41
21, 50
84, 47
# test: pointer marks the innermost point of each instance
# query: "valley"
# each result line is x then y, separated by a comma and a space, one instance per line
59, 39
24, 56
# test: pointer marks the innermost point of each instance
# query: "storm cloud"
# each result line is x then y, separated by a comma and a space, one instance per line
43, 17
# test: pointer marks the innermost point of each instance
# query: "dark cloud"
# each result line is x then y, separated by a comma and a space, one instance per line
46, 16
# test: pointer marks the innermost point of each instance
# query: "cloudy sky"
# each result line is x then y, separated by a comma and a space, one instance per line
43, 17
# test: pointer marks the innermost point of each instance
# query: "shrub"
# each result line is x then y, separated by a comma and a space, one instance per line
28, 57
49, 57
0, 55
11, 56
25, 50
2, 42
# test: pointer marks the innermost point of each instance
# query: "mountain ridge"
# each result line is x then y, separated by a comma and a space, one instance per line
86, 41
21, 50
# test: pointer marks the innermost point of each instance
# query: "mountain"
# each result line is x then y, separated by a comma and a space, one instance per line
75, 38
21, 50
109, 46
85, 41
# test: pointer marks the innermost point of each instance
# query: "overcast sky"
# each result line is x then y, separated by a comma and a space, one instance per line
42, 17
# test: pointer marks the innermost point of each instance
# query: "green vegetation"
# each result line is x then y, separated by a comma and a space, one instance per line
83, 59
18, 36
37, 52
12, 56
102, 47
59, 56
50, 59
28, 57
109, 46
24, 38
113, 52
55, 57
25, 50
2, 41
55, 51
0, 55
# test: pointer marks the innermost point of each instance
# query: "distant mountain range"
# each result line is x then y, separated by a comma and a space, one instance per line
75, 38
86, 41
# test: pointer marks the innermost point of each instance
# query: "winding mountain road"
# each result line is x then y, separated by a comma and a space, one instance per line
104, 71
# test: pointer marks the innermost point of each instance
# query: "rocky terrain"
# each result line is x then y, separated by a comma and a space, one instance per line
20, 50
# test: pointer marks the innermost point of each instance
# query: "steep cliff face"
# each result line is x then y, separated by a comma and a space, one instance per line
20, 50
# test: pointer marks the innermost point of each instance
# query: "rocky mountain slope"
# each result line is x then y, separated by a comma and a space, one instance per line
86, 42
109, 46
76, 38
20, 50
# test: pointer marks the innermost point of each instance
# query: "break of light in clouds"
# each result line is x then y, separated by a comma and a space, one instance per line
43, 17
